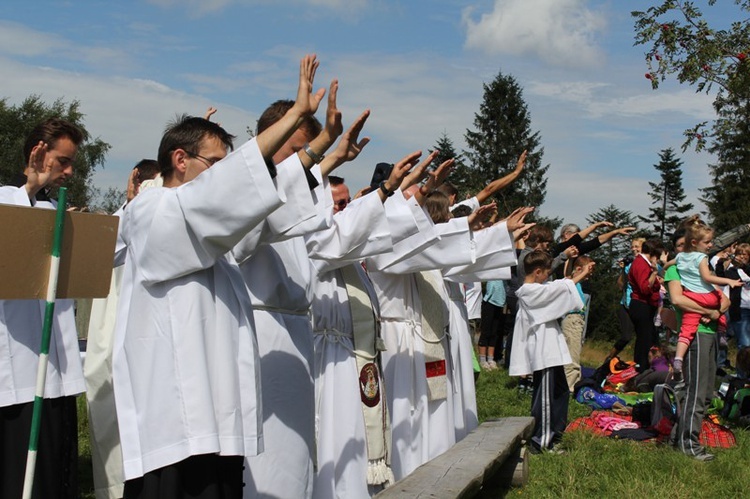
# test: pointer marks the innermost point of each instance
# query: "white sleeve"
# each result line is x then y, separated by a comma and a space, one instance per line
173, 232
494, 254
358, 231
453, 248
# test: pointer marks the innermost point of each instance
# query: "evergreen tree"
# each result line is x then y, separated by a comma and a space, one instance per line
16, 122
605, 295
447, 151
502, 132
728, 198
667, 196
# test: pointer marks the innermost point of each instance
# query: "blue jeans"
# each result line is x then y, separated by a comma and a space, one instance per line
741, 329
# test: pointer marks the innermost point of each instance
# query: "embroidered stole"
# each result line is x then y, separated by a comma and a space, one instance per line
367, 344
433, 332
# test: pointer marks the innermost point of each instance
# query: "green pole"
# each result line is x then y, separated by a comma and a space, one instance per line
41, 373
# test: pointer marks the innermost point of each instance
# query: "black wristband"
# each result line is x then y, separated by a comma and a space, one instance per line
385, 190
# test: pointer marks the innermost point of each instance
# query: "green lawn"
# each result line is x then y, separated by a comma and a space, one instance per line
601, 467
592, 466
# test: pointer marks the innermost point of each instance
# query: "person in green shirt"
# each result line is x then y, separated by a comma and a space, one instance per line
699, 366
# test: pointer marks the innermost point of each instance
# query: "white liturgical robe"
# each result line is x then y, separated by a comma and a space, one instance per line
185, 362
538, 342
21, 337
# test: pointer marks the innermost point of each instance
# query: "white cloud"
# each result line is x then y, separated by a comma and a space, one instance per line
128, 113
559, 32
17, 40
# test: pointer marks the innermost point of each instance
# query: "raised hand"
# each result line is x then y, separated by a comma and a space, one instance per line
133, 183
348, 147
436, 177
333, 125
521, 162
307, 102
419, 172
37, 170
478, 217
516, 219
209, 112
401, 170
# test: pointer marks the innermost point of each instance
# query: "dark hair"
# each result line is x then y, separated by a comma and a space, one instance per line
188, 133
678, 234
448, 189
437, 205
461, 211
147, 169
50, 131
278, 109
537, 259
653, 247
334, 180
539, 234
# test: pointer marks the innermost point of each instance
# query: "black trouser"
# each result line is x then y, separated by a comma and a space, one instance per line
549, 406
642, 315
206, 476
626, 329
56, 474
492, 323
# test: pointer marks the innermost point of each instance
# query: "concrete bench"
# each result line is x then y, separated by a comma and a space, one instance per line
491, 452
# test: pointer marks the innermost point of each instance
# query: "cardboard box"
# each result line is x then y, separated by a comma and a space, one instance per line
25, 248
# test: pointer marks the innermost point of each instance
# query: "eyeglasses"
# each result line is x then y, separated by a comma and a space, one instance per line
342, 203
206, 161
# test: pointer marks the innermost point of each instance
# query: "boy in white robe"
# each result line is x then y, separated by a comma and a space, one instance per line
539, 346
185, 355
49, 152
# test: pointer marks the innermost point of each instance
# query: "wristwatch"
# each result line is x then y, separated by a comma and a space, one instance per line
385, 189
318, 158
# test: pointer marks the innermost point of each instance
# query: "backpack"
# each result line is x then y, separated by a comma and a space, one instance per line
734, 394
665, 405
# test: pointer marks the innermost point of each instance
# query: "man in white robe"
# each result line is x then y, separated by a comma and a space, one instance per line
423, 428
49, 152
279, 277
185, 355
353, 449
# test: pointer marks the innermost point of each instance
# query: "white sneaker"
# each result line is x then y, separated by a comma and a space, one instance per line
492, 365
485, 365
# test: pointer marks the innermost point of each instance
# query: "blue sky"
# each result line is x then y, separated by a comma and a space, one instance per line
418, 65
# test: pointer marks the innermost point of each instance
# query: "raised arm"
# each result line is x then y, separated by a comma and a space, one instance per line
591, 228
419, 172
434, 180
331, 131
270, 140
622, 231
348, 147
503, 182
37, 170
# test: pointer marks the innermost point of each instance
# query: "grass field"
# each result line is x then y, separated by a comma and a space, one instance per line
591, 467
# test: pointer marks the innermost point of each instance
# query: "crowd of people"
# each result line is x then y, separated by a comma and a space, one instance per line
266, 335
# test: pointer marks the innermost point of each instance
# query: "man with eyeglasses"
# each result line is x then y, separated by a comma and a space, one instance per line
339, 192
185, 359
49, 150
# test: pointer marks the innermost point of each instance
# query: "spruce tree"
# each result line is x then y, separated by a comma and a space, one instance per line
728, 197
447, 151
605, 295
667, 196
502, 131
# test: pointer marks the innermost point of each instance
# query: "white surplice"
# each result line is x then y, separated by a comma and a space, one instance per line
280, 276
538, 342
421, 429
21, 337
185, 364
342, 456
